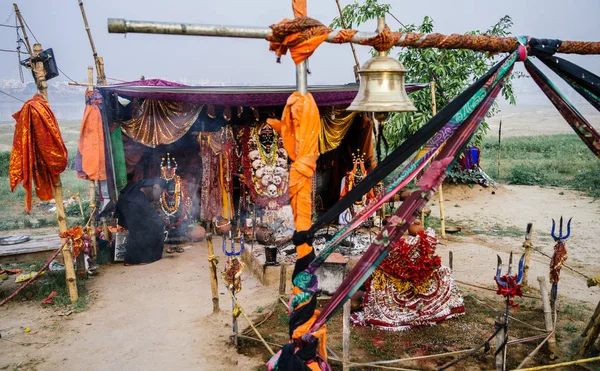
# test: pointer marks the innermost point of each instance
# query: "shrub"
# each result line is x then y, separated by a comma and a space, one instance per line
526, 175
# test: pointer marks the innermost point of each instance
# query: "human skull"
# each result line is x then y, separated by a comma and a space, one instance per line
277, 180
279, 171
281, 162
254, 155
260, 173
272, 190
266, 180
257, 164
268, 170
281, 153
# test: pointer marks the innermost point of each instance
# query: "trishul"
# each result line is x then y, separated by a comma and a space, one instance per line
233, 251
519, 273
560, 236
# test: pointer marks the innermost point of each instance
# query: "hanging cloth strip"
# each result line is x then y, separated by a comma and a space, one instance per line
406, 213
400, 154
583, 81
419, 162
574, 118
38, 154
90, 160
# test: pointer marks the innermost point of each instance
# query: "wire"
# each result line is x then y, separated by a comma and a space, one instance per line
7, 25
12, 96
67, 76
32, 34
11, 51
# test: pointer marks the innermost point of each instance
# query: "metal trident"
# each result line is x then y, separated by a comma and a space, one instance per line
519, 273
560, 230
233, 251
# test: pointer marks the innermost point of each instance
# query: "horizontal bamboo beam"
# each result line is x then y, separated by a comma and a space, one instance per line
486, 43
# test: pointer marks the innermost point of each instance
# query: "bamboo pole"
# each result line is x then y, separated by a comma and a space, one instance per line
499, 145
100, 76
440, 189
557, 365
547, 315
18, 13
92, 188
212, 261
282, 279
527, 245
346, 334
39, 73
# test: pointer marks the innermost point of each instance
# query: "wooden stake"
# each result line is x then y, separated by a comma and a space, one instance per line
547, 314
282, 279
214, 284
450, 259
527, 245
94, 242
500, 357
440, 189
499, 142
593, 331
346, 334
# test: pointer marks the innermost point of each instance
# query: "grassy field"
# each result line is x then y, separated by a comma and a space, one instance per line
561, 160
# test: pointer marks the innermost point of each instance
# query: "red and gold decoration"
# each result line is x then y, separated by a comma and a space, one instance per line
38, 154
173, 201
410, 288
265, 166
352, 178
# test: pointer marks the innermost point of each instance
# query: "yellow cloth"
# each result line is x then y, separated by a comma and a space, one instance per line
334, 129
161, 122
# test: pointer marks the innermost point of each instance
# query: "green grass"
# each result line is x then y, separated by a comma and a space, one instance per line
546, 160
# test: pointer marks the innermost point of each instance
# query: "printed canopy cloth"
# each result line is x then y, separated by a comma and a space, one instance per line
90, 162
157, 122
39, 154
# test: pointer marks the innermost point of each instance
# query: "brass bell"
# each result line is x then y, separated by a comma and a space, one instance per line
382, 86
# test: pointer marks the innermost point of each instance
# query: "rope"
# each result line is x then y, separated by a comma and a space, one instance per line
8, 26
67, 76
547, 367
494, 290
533, 353
564, 265
242, 310
31, 32
12, 96
36, 275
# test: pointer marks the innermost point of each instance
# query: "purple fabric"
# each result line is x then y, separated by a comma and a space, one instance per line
255, 96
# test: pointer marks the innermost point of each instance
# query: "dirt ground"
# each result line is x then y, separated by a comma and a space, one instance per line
152, 317
492, 223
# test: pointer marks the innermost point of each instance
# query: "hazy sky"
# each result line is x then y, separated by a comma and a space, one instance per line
58, 24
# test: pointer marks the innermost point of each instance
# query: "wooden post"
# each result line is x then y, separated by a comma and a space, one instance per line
440, 189
100, 76
591, 333
527, 245
214, 284
547, 314
94, 242
500, 357
450, 260
282, 279
499, 142
39, 74
346, 334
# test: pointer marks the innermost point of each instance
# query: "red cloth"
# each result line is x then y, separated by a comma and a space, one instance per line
39, 153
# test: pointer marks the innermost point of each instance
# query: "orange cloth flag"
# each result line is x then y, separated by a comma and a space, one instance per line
38, 152
299, 7
301, 36
91, 139
299, 127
